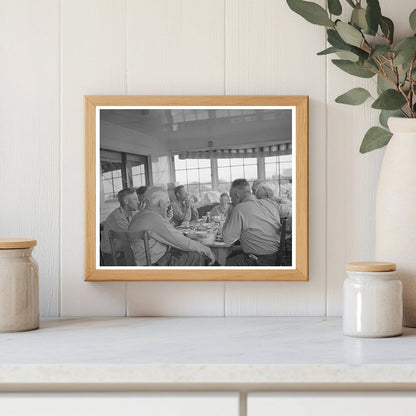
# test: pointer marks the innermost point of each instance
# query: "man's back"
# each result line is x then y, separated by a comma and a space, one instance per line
256, 223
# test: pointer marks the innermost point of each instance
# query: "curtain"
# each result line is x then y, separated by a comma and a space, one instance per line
254, 151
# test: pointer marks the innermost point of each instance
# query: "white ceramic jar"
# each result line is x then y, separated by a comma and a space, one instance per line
372, 300
19, 286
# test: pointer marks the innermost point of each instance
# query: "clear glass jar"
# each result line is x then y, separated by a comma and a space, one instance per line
372, 300
19, 286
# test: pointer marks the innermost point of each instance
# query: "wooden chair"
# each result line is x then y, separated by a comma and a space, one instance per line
281, 259
123, 256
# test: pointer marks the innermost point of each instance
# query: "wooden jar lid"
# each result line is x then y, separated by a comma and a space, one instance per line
11, 243
371, 266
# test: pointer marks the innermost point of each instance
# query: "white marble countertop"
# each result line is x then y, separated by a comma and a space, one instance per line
203, 351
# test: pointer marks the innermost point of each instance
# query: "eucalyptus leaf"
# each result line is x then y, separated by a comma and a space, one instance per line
311, 12
358, 18
387, 27
375, 138
370, 65
334, 7
350, 56
373, 15
412, 20
347, 55
383, 84
360, 52
405, 50
386, 114
381, 50
336, 41
352, 68
389, 100
389, 72
355, 96
349, 34
327, 51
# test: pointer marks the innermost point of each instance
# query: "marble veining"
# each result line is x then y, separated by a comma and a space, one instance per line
203, 350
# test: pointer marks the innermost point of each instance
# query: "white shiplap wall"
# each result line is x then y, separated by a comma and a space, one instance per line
30, 135
55, 52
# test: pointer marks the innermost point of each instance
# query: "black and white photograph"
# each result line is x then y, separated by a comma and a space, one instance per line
196, 187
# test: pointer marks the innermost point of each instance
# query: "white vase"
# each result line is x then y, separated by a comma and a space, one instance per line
396, 210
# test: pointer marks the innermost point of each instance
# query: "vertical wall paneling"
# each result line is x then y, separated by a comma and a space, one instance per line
55, 52
29, 135
352, 177
272, 51
175, 299
93, 61
175, 47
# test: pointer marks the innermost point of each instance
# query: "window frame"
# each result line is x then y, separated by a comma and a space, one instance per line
215, 183
126, 171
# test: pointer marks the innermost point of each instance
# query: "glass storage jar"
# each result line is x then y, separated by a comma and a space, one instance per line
19, 286
372, 300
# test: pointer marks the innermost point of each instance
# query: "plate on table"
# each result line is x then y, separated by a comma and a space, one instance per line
203, 237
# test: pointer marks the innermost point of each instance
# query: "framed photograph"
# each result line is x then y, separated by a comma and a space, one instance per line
196, 188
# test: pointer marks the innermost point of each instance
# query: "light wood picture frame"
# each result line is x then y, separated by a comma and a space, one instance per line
107, 115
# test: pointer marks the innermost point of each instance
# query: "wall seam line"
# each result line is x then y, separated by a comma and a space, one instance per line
126, 91
60, 293
225, 93
225, 47
326, 183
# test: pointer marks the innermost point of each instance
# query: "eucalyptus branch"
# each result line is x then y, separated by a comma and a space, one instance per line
406, 97
395, 71
370, 70
384, 73
366, 43
382, 35
366, 39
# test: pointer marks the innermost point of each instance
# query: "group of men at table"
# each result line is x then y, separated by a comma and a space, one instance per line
252, 218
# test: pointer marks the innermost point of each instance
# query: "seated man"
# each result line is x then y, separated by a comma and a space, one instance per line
140, 195
168, 246
118, 220
266, 190
263, 189
183, 208
256, 223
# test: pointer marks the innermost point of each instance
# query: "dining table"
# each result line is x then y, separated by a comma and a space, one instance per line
194, 229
